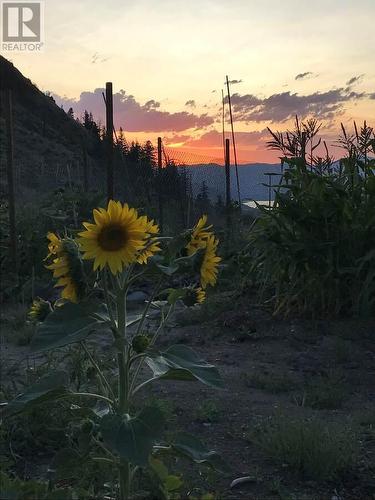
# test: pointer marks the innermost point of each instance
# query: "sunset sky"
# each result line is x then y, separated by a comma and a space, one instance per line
168, 59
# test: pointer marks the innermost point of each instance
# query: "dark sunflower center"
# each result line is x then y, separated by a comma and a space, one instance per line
112, 238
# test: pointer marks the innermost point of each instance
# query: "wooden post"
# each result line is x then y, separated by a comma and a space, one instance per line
85, 167
109, 139
227, 174
8, 108
160, 184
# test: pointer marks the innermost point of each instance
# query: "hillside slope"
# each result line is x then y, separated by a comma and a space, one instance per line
48, 144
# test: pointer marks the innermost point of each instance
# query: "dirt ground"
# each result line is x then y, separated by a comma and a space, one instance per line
267, 365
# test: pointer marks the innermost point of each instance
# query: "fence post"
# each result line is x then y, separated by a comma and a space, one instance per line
85, 167
109, 138
160, 184
8, 108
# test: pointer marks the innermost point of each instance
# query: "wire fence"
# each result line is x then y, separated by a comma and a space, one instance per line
174, 186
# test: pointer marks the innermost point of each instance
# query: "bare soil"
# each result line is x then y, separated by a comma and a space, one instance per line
249, 346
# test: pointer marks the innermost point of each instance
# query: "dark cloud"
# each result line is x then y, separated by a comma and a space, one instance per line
372, 96
176, 138
133, 116
234, 82
190, 103
283, 106
354, 79
303, 76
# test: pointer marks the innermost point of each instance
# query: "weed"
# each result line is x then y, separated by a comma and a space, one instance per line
326, 392
269, 382
208, 411
210, 309
310, 447
165, 406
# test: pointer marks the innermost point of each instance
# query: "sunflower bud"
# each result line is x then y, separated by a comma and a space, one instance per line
140, 343
39, 310
87, 426
194, 296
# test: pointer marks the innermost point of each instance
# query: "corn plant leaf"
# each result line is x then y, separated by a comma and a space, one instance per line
180, 362
67, 324
51, 386
192, 448
133, 438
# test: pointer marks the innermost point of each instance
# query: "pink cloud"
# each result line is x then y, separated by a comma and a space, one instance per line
133, 116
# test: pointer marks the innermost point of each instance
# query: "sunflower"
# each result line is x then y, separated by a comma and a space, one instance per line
54, 245
117, 237
199, 236
69, 292
39, 310
193, 295
66, 267
210, 262
200, 295
152, 246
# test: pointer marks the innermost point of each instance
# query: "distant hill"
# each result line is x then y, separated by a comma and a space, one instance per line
47, 142
251, 180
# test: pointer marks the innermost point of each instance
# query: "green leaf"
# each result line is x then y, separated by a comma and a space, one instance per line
194, 449
67, 324
173, 483
51, 386
159, 468
168, 270
175, 294
133, 438
178, 243
180, 362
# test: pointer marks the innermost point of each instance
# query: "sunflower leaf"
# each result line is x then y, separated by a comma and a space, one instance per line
133, 438
67, 324
192, 448
180, 362
51, 386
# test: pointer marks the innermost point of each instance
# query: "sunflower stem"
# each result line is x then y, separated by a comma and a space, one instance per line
139, 330
123, 382
122, 354
163, 321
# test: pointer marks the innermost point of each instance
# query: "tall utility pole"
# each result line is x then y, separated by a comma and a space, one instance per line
109, 138
223, 119
160, 184
234, 143
227, 174
8, 108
